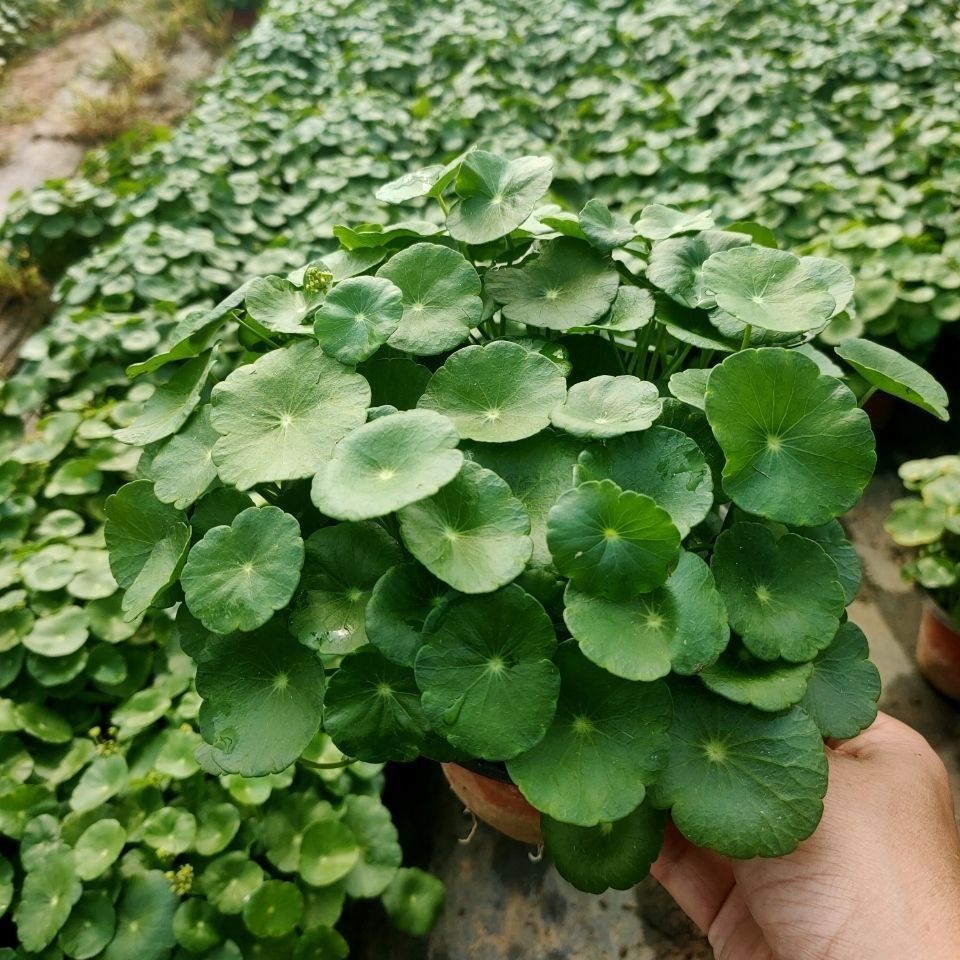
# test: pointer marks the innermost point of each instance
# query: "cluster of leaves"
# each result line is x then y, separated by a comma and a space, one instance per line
931, 522
553, 489
17, 18
839, 128
100, 794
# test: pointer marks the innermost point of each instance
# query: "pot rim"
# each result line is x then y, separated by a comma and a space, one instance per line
491, 769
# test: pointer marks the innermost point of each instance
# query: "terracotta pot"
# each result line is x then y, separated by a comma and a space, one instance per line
496, 802
938, 651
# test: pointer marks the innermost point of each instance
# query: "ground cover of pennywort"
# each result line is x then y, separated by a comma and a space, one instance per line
550, 489
834, 122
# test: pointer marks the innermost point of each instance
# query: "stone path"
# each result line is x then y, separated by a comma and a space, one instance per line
40, 96
502, 906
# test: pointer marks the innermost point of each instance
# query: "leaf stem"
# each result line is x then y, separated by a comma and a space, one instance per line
677, 362
640, 351
337, 765
612, 337
260, 336
869, 393
657, 344
747, 332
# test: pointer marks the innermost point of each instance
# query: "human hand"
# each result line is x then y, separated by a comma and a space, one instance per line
878, 880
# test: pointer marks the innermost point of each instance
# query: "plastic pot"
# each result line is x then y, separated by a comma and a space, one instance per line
496, 802
938, 650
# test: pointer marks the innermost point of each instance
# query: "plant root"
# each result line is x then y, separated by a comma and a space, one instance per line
538, 856
473, 827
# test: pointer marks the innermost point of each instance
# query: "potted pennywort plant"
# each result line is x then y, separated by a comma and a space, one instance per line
551, 493
930, 522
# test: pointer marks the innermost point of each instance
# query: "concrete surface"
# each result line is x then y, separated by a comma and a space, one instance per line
503, 906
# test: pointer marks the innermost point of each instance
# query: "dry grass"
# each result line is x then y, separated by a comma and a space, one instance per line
19, 282
97, 119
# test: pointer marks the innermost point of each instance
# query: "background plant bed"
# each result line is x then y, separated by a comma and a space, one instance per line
929, 522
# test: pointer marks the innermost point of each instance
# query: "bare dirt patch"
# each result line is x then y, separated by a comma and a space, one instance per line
88, 88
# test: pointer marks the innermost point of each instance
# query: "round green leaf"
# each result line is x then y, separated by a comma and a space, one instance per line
658, 222
279, 305
632, 309
834, 276
496, 393
90, 927
537, 470
472, 534
764, 684
328, 852
183, 468
380, 854
387, 464
50, 568
663, 463
842, 694
568, 285
147, 541
401, 601
912, 523
613, 542
60, 524
229, 881
768, 289
841, 551
496, 195
170, 406
237, 576
617, 854
607, 742
170, 830
607, 406
414, 901
680, 626
357, 317
739, 781
488, 683
798, 448
372, 709
274, 909
144, 919
440, 290
783, 596
676, 266
196, 926
280, 416
48, 894
103, 779
263, 694
98, 847
417, 183
58, 634
321, 943
887, 370
343, 563
40, 722
604, 229
217, 827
